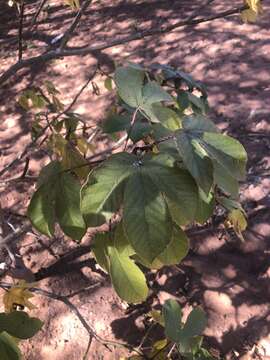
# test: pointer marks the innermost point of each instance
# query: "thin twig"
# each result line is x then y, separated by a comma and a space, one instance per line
13, 236
20, 34
74, 24
86, 50
34, 19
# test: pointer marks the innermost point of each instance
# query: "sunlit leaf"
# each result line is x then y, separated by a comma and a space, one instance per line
127, 279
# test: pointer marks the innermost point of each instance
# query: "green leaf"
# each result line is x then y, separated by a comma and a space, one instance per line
225, 181
229, 204
139, 131
167, 117
172, 315
228, 152
100, 247
129, 83
153, 93
175, 183
121, 242
49, 173
115, 122
103, 194
8, 348
183, 100
177, 212
127, 279
195, 160
205, 207
68, 207
41, 209
19, 324
195, 324
146, 218
175, 251
199, 124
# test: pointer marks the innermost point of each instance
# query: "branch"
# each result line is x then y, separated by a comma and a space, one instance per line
55, 54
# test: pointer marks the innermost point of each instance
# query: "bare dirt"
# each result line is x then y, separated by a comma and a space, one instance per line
229, 279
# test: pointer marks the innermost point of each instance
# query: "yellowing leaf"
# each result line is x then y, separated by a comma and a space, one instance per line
251, 14
254, 5
82, 145
157, 317
74, 4
108, 84
160, 344
238, 221
18, 295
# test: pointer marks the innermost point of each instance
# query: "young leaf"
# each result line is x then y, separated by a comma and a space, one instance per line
146, 217
68, 207
8, 348
127, 279
19, 324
